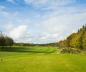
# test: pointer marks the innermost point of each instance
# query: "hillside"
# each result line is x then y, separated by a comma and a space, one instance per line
75, 40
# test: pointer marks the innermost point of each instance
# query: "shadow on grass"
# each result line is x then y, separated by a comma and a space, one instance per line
23, 49
13, 49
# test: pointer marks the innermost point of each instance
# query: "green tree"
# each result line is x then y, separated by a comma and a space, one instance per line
84, 38
8, 41
5, 40
2, 40
75, 40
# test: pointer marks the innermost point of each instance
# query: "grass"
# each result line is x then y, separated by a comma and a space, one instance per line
41, 59
29, 49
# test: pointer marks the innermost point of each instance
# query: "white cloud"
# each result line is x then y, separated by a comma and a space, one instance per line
59, 27
18, 32
11, 1
49, 3
57, 2
36, 2
50, 29
49, 36
55, 25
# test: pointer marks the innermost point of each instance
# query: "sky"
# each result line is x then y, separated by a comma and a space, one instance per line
41, 21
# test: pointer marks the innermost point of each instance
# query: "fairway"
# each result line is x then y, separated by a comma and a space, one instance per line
41, 62
42, 35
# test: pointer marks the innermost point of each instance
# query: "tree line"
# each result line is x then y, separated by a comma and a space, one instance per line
75, 40
5, 40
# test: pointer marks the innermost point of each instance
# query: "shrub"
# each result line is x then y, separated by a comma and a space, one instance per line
70, 50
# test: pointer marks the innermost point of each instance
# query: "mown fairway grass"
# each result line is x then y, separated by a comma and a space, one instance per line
41, 60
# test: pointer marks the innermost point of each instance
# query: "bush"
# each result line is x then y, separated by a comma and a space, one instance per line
70, 50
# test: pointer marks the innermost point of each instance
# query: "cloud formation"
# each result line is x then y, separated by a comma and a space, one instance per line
49, 2
18, 32
41, 21
11, 1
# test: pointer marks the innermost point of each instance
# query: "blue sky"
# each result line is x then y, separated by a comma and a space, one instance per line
41, 21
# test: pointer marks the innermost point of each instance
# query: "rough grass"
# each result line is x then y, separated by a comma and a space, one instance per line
41, 62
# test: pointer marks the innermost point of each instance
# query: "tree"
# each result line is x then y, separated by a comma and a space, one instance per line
63, 43
2, 41
5, 40
84, 38
8, 41
75, 40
